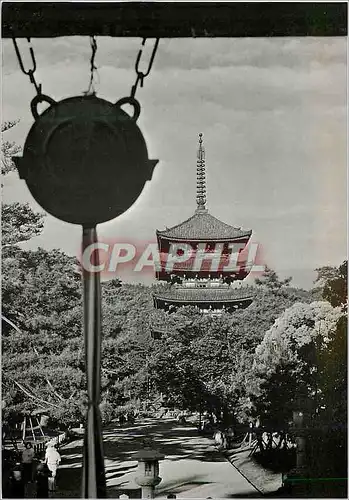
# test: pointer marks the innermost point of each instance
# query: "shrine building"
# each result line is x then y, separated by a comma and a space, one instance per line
207, 276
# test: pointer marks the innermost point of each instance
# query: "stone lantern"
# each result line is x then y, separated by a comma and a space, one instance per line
148, 470
301, 416
296, 480
300, 434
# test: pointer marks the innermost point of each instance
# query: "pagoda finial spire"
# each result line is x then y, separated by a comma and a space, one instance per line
200, 177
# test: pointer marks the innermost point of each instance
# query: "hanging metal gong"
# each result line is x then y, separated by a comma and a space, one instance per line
85, 160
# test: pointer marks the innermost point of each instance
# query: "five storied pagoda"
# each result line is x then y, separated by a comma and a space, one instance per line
199, 259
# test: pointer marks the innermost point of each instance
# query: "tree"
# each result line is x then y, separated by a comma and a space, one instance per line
8, 148
42, 361
41, 312
19, 222
44, 352
173, 368
126, 341
287, 362
268, 303
333, 284
333, 370
204, 361
271, 281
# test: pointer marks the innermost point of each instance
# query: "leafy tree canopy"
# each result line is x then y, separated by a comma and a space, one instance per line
287, 363
8, 148
333, 284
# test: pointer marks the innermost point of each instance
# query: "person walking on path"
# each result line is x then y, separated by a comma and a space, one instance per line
27, 463
42, 479
52, 459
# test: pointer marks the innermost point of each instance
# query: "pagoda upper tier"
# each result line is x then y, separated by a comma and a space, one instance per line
203, 227
217, 241
202, 232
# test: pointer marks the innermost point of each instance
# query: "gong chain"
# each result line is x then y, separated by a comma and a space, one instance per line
93, 67
29, 72
140, 74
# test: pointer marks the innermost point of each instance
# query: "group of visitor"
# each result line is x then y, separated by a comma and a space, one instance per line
31, 473
128, 417
181, 418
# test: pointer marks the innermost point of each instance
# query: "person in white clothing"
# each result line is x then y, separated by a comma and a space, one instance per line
52, 458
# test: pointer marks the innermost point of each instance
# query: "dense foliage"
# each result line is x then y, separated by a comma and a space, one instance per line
201, 363
8, 148
287, 363
256, 362
205, 362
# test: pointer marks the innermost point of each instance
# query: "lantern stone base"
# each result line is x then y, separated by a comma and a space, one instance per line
148, 492
148, 485
296, 481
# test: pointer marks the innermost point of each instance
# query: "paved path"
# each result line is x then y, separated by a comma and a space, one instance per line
192, 467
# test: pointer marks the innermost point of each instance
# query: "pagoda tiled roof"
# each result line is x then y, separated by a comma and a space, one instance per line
203, 226
197, 295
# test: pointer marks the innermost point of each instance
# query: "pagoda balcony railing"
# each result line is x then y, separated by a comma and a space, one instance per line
203, 283
213, 266
203, 294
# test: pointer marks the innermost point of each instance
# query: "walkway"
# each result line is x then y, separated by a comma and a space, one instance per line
192, 467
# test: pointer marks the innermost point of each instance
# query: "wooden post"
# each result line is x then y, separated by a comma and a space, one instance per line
12, 438
40, 428
32, 428
250, 434
24, 427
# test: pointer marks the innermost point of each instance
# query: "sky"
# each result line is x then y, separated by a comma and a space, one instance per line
273, 117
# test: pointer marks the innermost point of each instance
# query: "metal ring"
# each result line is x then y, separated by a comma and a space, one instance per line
134, 103
38, 99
